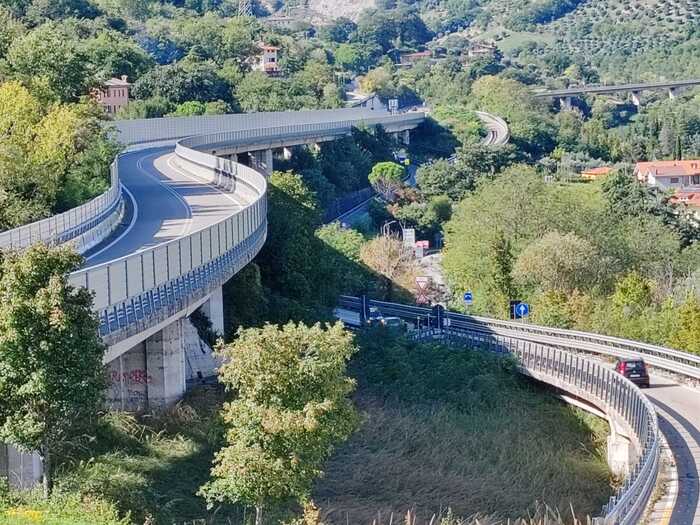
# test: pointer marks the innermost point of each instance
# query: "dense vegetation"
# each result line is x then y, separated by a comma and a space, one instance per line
600, 257
411, 398
52, 158
449, 431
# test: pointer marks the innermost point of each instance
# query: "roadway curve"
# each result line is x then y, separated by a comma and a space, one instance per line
497, 132
678, 408
164, 203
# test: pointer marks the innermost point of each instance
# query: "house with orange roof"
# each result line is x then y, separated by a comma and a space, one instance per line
689, 199
596, 173
670, 174
268, 60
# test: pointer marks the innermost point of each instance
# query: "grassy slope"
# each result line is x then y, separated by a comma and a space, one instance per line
153, 467
446, 428
443, 428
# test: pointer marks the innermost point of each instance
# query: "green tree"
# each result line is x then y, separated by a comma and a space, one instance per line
558, 262
52, 379
12, 29
183, 82
291, 409
54, 55
686, 335
386, 178
111, 54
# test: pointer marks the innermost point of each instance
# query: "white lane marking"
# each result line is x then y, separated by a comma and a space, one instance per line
187, 225
197, 179
132, 223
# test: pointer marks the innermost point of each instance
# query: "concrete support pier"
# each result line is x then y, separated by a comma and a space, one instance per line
150, 376
214, 310
262, 161
621, 454
635, 98
23, 470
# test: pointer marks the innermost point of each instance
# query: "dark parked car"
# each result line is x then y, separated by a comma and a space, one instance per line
635, 370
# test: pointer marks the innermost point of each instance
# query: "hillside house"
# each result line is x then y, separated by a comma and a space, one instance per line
114, 94
670, 174
409, 59
268, 60
689, 199
596, 173
482, 50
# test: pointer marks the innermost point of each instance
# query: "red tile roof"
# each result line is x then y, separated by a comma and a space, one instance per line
669, 168
689, 198
596, 172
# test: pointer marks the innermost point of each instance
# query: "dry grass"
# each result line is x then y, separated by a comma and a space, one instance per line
497, 454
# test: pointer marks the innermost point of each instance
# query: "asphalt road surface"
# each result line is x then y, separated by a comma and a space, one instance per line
163, 203
678, 407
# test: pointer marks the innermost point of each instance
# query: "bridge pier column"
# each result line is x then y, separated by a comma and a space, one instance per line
214, 310
262, 161
267, 162
23, 470
672, 93
150, 376
566, 102
635, 98
406, 137
165, 363
287, 153
620, 454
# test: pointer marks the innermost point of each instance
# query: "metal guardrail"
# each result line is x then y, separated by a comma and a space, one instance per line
557, 358
668, 359
70, 225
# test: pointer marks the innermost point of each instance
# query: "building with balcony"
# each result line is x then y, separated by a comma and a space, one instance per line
113, 95
268, 60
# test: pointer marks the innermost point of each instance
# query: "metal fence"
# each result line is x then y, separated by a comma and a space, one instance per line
70, 225
557, 359
142, 286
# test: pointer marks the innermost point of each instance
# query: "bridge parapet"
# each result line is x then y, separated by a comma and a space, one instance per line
83, 226
142, 290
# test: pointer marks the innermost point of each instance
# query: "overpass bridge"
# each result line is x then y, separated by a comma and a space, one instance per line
654, 444
565, 95
186, 210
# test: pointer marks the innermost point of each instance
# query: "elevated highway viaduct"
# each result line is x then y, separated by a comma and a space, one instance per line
186, 210
565, 96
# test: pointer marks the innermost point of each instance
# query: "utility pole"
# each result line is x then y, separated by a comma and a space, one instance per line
245, 7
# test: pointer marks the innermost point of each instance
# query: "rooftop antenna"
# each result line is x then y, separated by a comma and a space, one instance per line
245, 7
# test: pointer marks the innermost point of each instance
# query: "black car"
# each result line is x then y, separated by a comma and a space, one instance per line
635, 370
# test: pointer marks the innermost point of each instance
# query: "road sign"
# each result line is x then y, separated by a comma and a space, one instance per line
409, 237
422, 289
522, 310
468, 298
